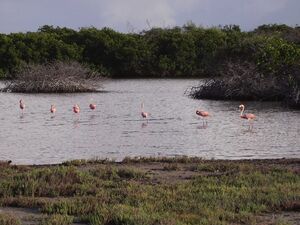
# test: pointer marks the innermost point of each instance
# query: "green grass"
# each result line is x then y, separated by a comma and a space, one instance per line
57, 219
106, 193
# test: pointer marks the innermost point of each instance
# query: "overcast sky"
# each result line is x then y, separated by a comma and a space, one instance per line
136, 15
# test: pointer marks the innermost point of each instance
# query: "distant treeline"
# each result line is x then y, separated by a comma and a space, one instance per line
187, 51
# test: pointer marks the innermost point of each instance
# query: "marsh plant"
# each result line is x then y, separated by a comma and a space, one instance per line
219, 192
7, 219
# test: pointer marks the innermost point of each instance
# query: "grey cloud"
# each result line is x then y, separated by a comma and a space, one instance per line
28, 15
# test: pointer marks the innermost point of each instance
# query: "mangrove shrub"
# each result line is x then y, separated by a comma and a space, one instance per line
187, 51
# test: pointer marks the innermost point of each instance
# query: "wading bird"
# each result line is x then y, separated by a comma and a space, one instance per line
22, 105
92, 106
76, 108
53, 109
249, 116
203, 115
144, 114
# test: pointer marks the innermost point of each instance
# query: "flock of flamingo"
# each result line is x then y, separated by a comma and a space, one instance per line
248, 116
76, 108
203, 114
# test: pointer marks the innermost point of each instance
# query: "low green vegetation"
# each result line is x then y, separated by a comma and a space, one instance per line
158, 191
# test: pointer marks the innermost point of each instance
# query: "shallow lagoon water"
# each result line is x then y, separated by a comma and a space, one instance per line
115, 129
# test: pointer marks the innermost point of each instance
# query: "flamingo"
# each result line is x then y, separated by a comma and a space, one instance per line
53, 109
145, 115
203, 114
249, 116
76, 108
92, 106
22, 105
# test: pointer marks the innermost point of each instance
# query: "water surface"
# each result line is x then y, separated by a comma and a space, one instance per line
115, 129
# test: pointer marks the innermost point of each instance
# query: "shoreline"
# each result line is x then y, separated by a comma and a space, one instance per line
141, 159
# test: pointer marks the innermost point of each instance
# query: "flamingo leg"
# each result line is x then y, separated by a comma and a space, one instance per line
204, 122
250, 124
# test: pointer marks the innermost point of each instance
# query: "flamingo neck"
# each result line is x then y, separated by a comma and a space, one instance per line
242, 111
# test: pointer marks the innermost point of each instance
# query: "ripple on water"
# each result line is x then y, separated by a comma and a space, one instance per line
116, 128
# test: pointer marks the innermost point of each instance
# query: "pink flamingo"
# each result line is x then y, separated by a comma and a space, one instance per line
203, 114
22, 105
76, 108
249, 116
53, 109
144, 114
92, 106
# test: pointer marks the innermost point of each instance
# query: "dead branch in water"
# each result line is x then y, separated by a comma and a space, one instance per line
57, 77
239, 81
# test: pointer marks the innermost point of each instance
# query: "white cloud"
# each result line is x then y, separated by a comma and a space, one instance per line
118, 13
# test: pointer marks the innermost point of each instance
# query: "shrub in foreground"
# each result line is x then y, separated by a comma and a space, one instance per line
57, 219
6, 219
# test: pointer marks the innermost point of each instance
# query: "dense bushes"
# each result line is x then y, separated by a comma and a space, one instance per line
171, 52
